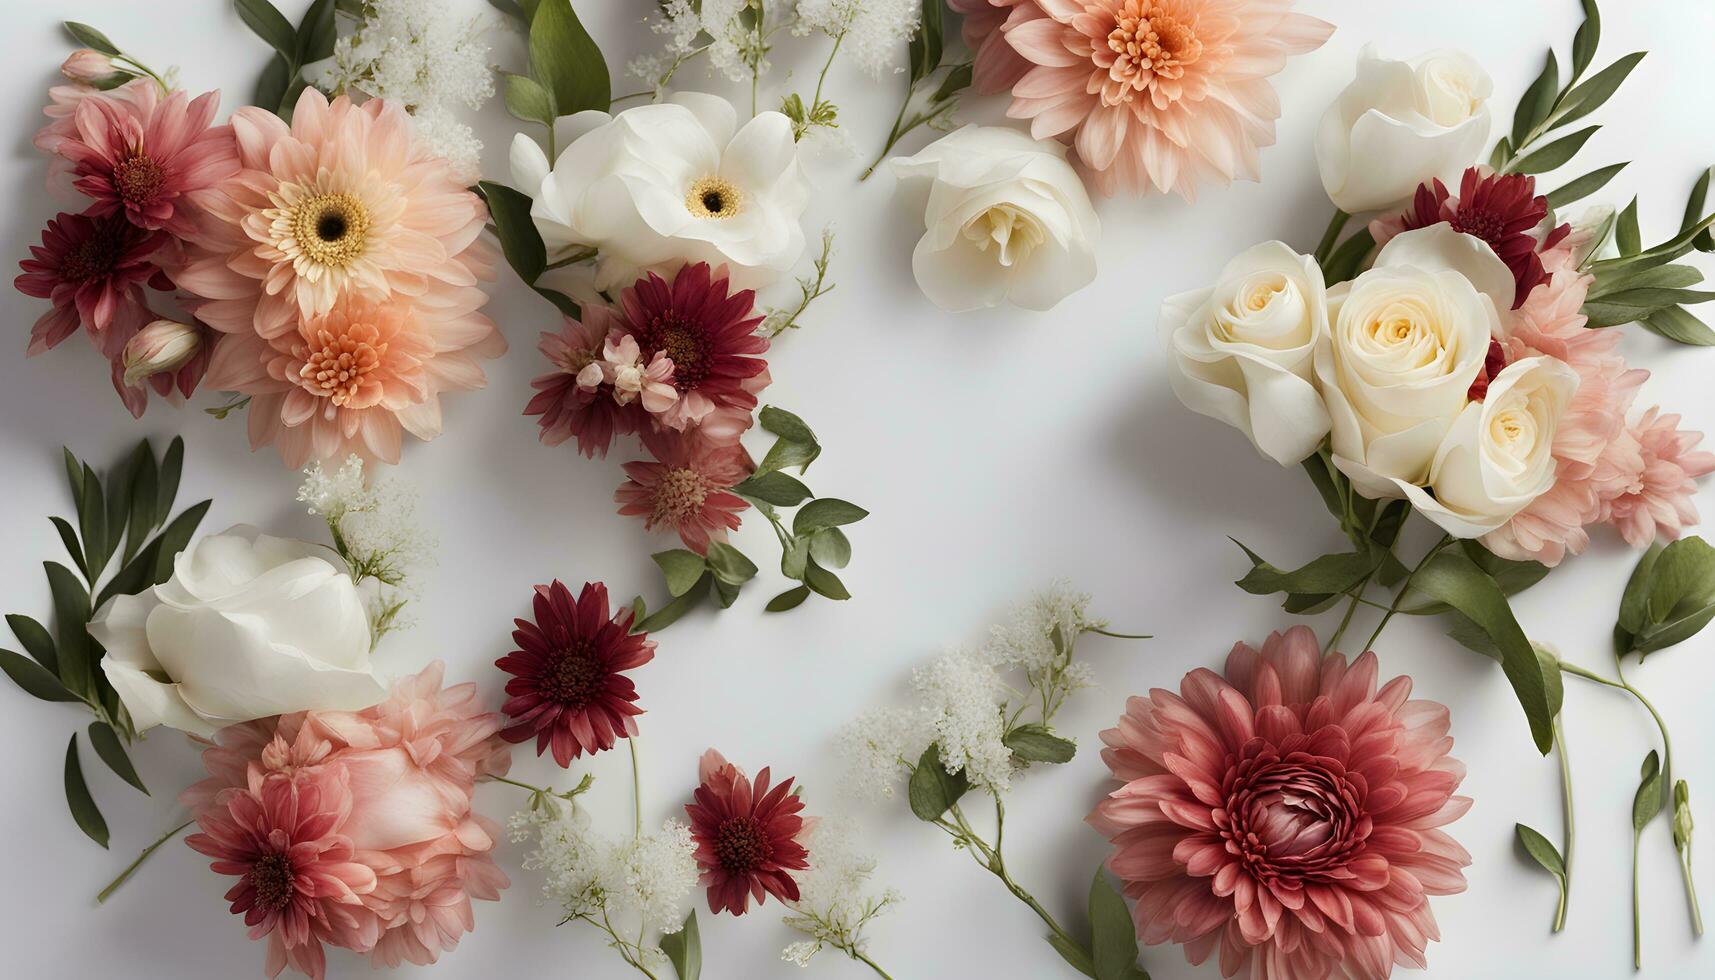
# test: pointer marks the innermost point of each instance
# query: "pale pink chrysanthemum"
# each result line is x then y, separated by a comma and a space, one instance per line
687, 487
1286, 816
1595, 458
995, 66
1658, 503
1157, 93
61, 110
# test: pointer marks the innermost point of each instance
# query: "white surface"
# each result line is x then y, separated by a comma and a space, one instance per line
995, 450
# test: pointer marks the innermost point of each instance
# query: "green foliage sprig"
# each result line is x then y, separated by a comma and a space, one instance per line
926, 61
123, 525
312, 40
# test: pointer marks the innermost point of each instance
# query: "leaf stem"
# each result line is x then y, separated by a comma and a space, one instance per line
895, 134
520, 785
1325, 247
1345, 621
1405, 587
636, 791
1569, 835
131, 868
866, 961
1637, 912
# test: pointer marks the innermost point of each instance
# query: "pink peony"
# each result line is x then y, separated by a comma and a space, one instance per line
569, 406
342, 265
393, 785
1162, 93
687, 487
1658, 504
1286, 815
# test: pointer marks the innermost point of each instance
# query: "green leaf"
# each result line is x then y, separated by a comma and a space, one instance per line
1634, 602
774, 488
89, 37
1579, 189
1326, 480
1513, 577
519, 239
831, 548
74, 474
1681, 595
167, 488
36, 640
92, 524
826, 512
112, 752
1113, 934
1456, 580
684, 949
824, 582
68, 538
71, 616
317, 33
925, 48
730, 564
35, 679
566, 60
1679, 326
932, 789
1327, 575
682, 568
270, 25
1584, 42
527, 100
1623, 278
511, 9
786, 453
118, 496
1541, 850
140, 516
786, 425
1627, 238
1537, 101
1343, 264
565, 304
1655, 297
794, 557
1694, 201
1646, 802
1554, 154
1589, 95
790, 599
83, 808
1553, 685
1035, 743
957, 79
154, 563
669, 614
273, 83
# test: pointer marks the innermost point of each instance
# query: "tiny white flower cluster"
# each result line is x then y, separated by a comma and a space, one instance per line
877, 745
1039, 632
375, 529
963, 700
643, 881
835, 903
873, 33
423, 56
732, 34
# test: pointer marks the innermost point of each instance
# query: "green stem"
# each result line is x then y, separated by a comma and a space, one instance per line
1345, 621
823, 77
866, 961
1569, 836
1637, 916
131, 868
636, 791
992, 860
894, 135
514, 782
1325, 247
1121, 636
1405, 587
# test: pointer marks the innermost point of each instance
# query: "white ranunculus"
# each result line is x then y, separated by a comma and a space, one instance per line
1497, 457
1008, 220
660, 185
1405, 341
247, 627
1400, 124
1242, 351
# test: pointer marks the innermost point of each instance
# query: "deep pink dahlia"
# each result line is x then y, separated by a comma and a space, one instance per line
569, 690
91, 268
709, 333
688, 487
569, 401
1285, 815
1658, 503
749, 837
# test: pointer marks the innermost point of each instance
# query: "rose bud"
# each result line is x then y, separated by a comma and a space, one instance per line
164, 345
87, 66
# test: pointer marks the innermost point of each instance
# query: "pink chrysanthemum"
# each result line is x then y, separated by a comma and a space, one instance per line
749, 837
61, 110
94, 270
409, 767
995, 66
1658, 502
688, 487
150, 158
709, 333
1285, 815
569, 690
573, 402
1162, 93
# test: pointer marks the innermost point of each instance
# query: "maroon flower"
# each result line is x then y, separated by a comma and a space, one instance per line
1494, 362
571, 402
91, 268
747, 837
1503, 211
569, 689
710, 335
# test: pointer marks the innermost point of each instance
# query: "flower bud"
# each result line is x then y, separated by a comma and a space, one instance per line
164, 345
87, 66
1681, 815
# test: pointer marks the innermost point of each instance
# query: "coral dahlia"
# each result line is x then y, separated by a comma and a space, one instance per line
93, 269
1286, 815
1157, 93
749, 837
569, 690
688, 487
709, 333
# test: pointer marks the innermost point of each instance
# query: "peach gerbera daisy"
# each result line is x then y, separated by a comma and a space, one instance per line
1162, 93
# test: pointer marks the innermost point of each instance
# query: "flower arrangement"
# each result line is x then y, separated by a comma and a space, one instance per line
1453, 358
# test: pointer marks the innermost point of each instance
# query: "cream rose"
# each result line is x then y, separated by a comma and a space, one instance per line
1400, 124
1242, 351
248, 626
1497, 456
1008, 220
1406, 339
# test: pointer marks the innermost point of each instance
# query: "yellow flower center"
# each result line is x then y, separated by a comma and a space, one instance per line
331, 229
714, 197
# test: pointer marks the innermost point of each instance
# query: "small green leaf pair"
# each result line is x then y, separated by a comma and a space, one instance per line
312, 40
1669, 598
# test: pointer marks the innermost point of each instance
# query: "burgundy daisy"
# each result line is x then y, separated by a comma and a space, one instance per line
92, 269
1502, 210
569, 688
748, 837
710, 335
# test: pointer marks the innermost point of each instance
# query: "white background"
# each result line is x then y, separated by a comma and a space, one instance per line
996, 451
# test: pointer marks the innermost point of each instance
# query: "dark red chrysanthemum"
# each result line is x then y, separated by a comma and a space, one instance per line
91, 268
1503, 211
710, 335
747, 837
569, 688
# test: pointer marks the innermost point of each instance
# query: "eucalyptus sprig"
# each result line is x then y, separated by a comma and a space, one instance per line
122, 525
926, 62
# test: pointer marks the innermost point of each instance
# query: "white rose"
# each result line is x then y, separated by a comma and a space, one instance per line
1497, 457
1242, 350
1008, 220
248, 626
657, 186
1400, 124
1405, 341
